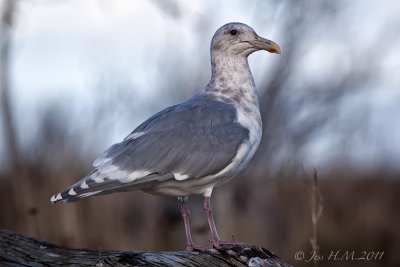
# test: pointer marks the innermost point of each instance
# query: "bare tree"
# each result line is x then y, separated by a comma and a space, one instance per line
21, 189
9, 131
286, 132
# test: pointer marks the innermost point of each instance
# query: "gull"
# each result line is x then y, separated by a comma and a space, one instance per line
192, 147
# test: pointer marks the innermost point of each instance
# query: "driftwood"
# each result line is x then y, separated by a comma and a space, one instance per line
20, 250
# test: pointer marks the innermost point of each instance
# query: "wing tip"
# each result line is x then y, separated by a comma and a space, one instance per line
55, 198
74, 193
64, 196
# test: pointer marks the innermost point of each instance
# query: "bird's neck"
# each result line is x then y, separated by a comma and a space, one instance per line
231, 79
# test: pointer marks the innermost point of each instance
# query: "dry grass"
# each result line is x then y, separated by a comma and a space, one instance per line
316, 211
360, 213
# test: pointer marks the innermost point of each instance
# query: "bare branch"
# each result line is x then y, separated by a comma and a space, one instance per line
16, 249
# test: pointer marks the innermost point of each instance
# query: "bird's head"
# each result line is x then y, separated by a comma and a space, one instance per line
239, 39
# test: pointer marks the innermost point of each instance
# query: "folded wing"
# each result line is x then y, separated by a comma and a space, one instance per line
197, 138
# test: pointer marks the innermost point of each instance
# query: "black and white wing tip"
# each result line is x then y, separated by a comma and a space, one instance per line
83, 188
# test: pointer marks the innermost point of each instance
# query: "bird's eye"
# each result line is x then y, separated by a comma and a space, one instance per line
233, 32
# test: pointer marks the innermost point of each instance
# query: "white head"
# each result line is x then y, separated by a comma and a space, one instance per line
239, 39
231, 75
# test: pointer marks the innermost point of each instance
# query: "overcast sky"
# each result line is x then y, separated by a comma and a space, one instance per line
62, 47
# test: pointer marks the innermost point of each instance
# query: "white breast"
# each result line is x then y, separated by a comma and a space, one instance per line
249, 117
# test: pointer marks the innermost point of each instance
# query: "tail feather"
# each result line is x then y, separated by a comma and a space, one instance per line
96, 184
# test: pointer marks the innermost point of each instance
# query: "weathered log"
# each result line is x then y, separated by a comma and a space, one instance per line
20, 250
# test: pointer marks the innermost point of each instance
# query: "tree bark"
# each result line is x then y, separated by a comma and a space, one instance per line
20, 250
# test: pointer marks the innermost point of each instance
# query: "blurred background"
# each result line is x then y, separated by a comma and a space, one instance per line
77, 76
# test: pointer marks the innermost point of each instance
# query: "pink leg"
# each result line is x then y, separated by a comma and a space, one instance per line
214, 234
185, 215
217, 242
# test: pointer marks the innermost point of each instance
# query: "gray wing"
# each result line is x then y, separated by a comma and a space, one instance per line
194, 139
